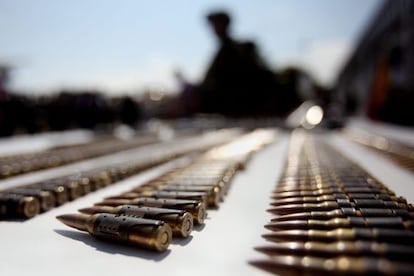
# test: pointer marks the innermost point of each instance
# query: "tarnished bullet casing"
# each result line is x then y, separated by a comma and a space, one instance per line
60, 192
336, 196
151, 234
340, 203
347, 212
194, 207
349, 222
344, 248
18, 206
164, 194
46, 199
400, 236
213, 193
180, 221
294, 265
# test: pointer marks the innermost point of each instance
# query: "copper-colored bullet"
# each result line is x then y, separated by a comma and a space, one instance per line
145, 233
347, 212
401, 236
349, 222
194, 207
294, 265
180, 221
348, 248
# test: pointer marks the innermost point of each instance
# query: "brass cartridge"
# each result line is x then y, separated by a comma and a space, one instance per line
18, 206
145, 233
194, 207
180, 221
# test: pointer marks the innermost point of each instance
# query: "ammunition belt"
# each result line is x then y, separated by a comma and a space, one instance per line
330, 216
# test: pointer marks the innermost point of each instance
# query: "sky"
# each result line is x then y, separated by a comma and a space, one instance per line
127, 46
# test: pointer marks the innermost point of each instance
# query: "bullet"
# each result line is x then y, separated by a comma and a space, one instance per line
294, 265
220, 187
180, 221
332, 197
348, 248
18, 206
145, 233
333, 189
345, 234
99, 179
347, 212
60, 192
194, 207
382, 222
163, 194
86, 186
331, 205
46, 199
213, 193
73, 189
320, 192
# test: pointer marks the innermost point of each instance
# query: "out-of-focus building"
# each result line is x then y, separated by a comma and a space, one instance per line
378, 79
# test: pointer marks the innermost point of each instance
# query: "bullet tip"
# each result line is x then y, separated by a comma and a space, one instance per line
88, 210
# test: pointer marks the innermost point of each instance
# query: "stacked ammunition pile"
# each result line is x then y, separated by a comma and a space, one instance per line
398, 152
149, 215
332, 217
28, 200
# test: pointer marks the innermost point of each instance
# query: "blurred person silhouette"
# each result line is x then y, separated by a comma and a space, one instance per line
237, 82
188, 101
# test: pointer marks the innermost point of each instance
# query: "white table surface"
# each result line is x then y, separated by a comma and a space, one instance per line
223, 246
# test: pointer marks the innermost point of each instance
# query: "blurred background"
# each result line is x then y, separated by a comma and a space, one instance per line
97, 64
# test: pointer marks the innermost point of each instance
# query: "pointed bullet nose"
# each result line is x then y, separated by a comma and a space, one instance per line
294, 216
287, 209
287, 225
111, 202
268, 250
286, 235
89, 210
77, 221
61, 218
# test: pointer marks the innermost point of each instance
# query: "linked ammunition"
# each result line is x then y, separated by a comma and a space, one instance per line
194, 207
340, 203
294, 265
348, 248
347, 212
180, 221
401, 236
18, 206
382, 222
46, 199
145, 233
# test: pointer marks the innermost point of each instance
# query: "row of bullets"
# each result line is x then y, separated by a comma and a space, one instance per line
149, 215
28, 200
398, 152
23, 163
331, 216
